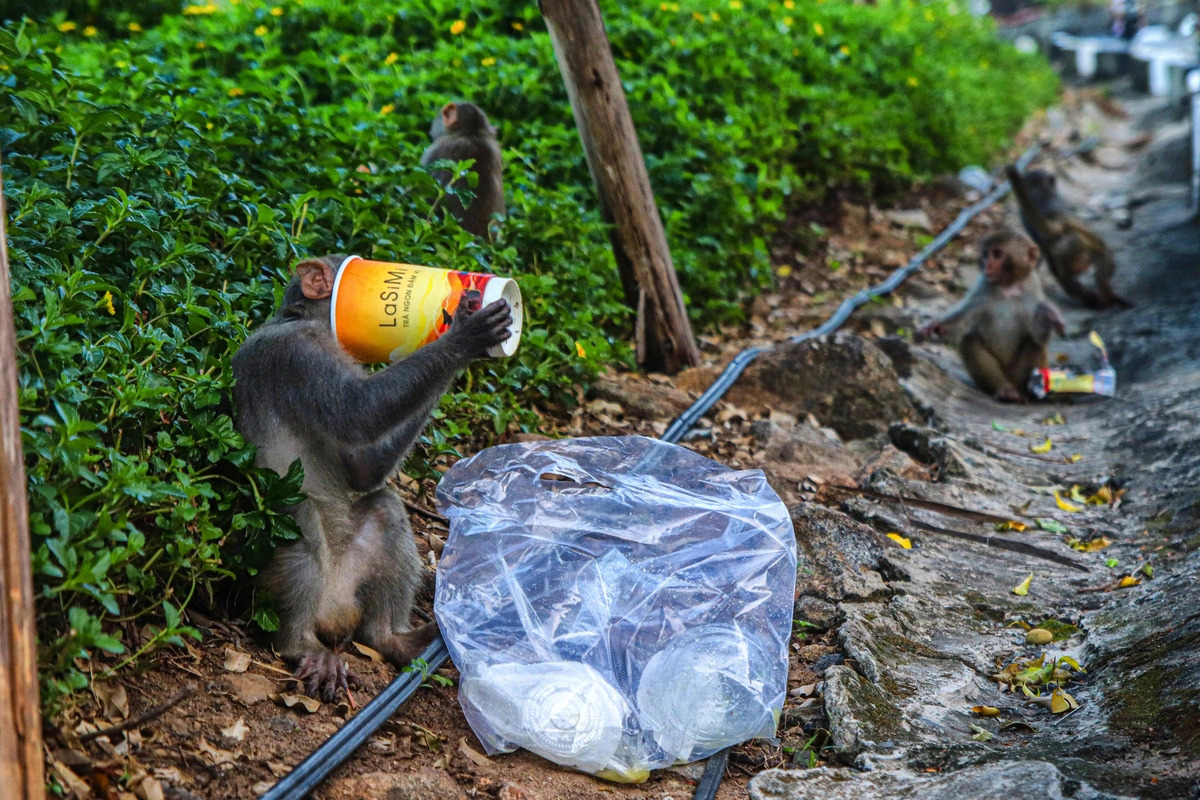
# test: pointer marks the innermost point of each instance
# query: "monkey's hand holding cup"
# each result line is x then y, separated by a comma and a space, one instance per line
478, 331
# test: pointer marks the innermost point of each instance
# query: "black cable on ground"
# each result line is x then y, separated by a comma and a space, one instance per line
302, 780
298, 783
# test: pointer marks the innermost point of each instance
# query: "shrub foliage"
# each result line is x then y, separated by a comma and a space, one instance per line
163, 172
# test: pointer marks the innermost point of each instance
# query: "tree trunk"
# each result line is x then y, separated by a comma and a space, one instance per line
20, 723
665, 339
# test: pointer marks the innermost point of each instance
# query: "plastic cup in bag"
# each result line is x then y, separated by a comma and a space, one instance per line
703, 690
563, 711
381, 312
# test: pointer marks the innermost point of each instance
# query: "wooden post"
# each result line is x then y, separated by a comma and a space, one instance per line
21, 773
665, 339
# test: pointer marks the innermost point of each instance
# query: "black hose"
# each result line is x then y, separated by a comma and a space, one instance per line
337, 748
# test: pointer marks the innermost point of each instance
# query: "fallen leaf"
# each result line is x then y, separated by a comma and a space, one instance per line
69, 779
1075, 458
986, 711
1128, 581
1064, 505
1070, 662
1077, 494
1039, 636
1052, 525
309, 704
375, 656
981, 734
1023, 508
1022, 588
1011, 525
1102, 497
1054, 419
1016, 723
1091, 546
1060, 701
1044, 447
900, 540
169, 775
1148, 570
236, 660
278, 769
249, 689
216, 755
1098, 343
1111, 563
237, 731
114, 701
149, 789
471, 754
996, 426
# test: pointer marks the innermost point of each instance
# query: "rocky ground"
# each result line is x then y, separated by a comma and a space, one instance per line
898, 645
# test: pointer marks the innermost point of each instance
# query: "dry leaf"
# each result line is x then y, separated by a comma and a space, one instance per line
981, 734
1064, 505
70, 780
1022, 588
1075, 458
986, 711
1092, 546
1039, 636
471, 754
436, 543
900, 540
375, 656
1102, 497
1054, 419
1128, 581
236, 661
1051, 525
249, 689
277, 769
149, 789
114, 702
217, 756
1011, 525
237, 731
1044, 447
309, 704
169, 775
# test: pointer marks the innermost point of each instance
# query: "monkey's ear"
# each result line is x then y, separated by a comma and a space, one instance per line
316, 279
449, 115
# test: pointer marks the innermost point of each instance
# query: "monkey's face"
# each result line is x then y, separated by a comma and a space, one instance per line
1042, 185
1007, 260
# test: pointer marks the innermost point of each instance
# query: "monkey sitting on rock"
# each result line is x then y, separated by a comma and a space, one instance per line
461, 132
1005, 320
355, 570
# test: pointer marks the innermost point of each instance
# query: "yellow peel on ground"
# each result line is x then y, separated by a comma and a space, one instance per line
1022, 588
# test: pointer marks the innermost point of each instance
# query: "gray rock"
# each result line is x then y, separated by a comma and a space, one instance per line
1007, 780
426, 783
837, 555
817, 613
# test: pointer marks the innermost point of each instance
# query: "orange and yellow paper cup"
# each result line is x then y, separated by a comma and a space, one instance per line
382, 312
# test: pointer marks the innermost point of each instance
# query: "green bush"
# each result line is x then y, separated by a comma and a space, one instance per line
161, 180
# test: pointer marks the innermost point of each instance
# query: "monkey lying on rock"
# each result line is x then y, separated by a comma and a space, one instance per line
355, 570
1005, 319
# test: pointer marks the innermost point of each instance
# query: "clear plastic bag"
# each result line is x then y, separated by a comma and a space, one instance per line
615, 604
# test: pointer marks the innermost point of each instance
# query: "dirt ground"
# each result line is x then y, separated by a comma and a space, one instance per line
237, 733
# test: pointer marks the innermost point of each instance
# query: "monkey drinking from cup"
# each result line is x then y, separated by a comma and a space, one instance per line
1070, 247
1005, 320
355, 569
461, 132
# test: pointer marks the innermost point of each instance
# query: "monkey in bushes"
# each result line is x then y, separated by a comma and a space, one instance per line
461, 132
1070, 247
1005, 319
355, 569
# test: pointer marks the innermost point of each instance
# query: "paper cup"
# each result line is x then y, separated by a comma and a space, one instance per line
382, 312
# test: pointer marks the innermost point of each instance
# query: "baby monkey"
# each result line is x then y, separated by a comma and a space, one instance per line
354, 571
461, 132
1071, 248
1005, 320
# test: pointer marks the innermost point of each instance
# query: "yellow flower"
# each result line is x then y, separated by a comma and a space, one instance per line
518, 26
715, 16
276, 12
67, 27
663, 6
817, 29
580, 351
90, 30
984, 64
736, 5
696, 15
488, 62
929, 15
122, 64
201, 45
343, 58
208, 126
4, 67
261, 30
389, 108
789, 21
236, 92
674, 6
458, 26
109, 303
392, 58
788, 4
912, 81
197, 10
795, 52
135, 28
844, 50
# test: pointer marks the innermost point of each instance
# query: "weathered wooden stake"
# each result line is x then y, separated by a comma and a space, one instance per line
664, 339
21, 776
